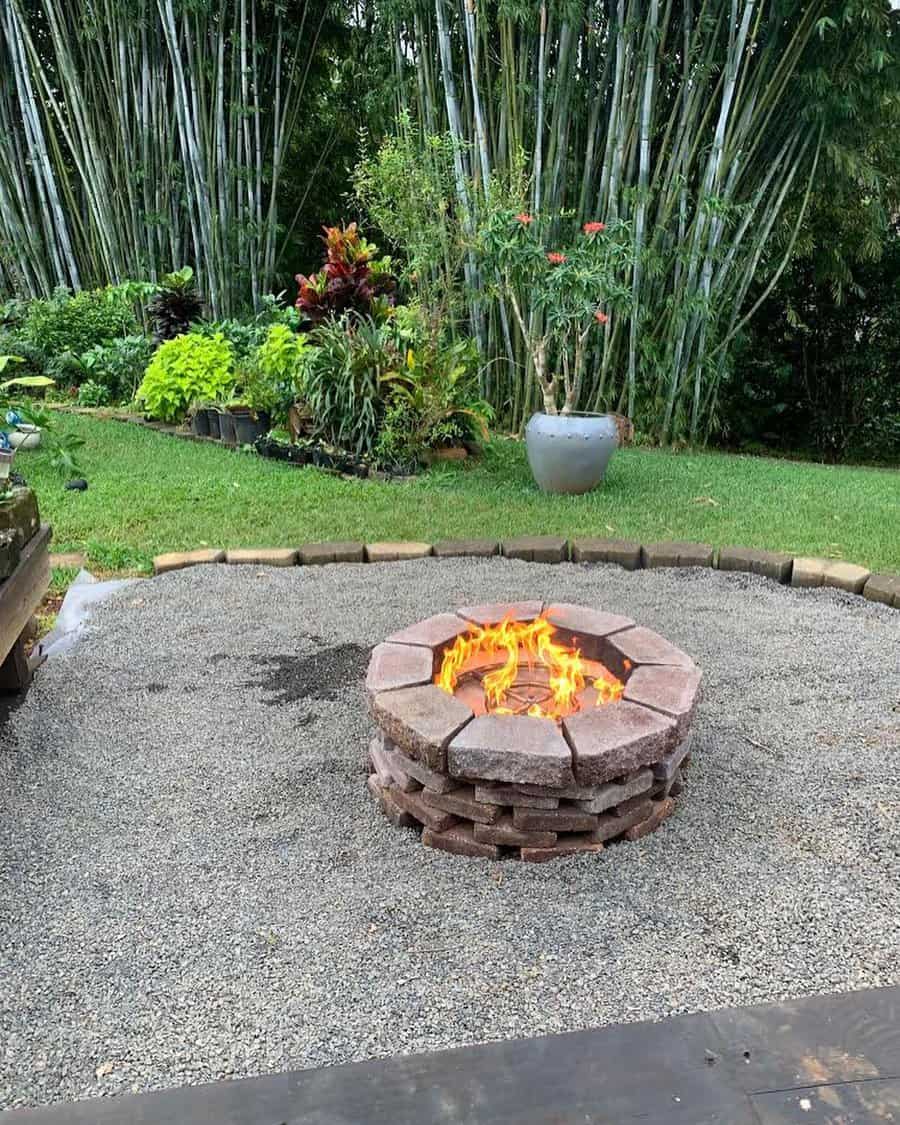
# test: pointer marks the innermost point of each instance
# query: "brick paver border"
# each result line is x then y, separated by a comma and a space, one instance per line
798, 571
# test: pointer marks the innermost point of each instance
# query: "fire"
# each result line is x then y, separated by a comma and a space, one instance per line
559, 673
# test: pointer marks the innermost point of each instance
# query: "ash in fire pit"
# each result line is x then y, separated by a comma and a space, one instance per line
531, 731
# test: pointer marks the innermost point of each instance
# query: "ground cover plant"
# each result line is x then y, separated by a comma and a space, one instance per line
152, 493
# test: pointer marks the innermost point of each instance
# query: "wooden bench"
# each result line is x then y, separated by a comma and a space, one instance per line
20, 596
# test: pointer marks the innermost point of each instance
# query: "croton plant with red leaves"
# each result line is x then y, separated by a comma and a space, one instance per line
352, 279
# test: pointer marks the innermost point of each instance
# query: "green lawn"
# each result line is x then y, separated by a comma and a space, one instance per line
151, 493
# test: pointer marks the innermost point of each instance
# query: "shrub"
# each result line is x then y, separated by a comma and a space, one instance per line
186, 370
92, 394
393, 390
410, 191
349, 379
14, 342
818, 375
437, 403
244, 336
76, 323
13, 313
118, 366
275, 375
351, 281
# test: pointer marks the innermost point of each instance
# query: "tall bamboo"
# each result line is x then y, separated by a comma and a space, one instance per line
141, 135
683, 118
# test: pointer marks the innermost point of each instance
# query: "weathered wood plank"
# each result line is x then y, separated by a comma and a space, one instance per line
651, 1073
718, 1069
855, 1103
21, 593
816, 1041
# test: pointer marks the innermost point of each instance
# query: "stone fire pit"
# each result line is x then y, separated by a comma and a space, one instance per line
529, 731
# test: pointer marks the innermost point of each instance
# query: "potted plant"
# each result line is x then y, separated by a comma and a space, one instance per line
271, 380
200, 413
22, 435
34, 416
225, 421
559, 298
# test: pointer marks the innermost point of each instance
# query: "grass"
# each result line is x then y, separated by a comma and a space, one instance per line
151, 493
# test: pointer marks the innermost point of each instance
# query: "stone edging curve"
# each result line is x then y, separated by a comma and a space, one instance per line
798, 571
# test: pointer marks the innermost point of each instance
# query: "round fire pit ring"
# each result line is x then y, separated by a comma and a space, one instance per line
529, 730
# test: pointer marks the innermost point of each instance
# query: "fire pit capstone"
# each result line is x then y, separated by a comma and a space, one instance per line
529, 731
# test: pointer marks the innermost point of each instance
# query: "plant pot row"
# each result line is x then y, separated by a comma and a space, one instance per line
235, 426
306, 452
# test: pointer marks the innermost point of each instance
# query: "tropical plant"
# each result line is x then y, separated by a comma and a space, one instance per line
118, 366
436, 403
185, 370
559, 296
5, 361
73, 323
348, 380
274, 377
175, 305
352, 280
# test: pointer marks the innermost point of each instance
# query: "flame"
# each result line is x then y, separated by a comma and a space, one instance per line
512, 641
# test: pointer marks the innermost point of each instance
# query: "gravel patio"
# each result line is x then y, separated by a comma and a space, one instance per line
195, 883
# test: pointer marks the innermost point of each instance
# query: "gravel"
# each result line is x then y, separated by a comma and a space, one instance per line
194, 882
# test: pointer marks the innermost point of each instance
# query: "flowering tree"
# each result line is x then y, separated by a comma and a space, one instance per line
558, 295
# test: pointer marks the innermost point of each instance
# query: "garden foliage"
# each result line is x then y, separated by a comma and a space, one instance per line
352, 280
74, 322
189, 369
175, 305
273, 377
393, 390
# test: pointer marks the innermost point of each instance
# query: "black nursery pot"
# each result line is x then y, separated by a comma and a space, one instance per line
212, 422
200, 423
248, 426
226, 428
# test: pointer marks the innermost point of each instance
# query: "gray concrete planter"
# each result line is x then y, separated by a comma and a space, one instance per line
570, 452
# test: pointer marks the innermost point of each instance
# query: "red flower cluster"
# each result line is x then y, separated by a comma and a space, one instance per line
555, 258
524, 218
593, 228
600, 317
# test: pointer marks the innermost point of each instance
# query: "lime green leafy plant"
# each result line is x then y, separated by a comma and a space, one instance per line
274, 377
186, 370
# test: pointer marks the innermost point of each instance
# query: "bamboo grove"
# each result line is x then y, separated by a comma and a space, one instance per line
699, 122
139, 136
